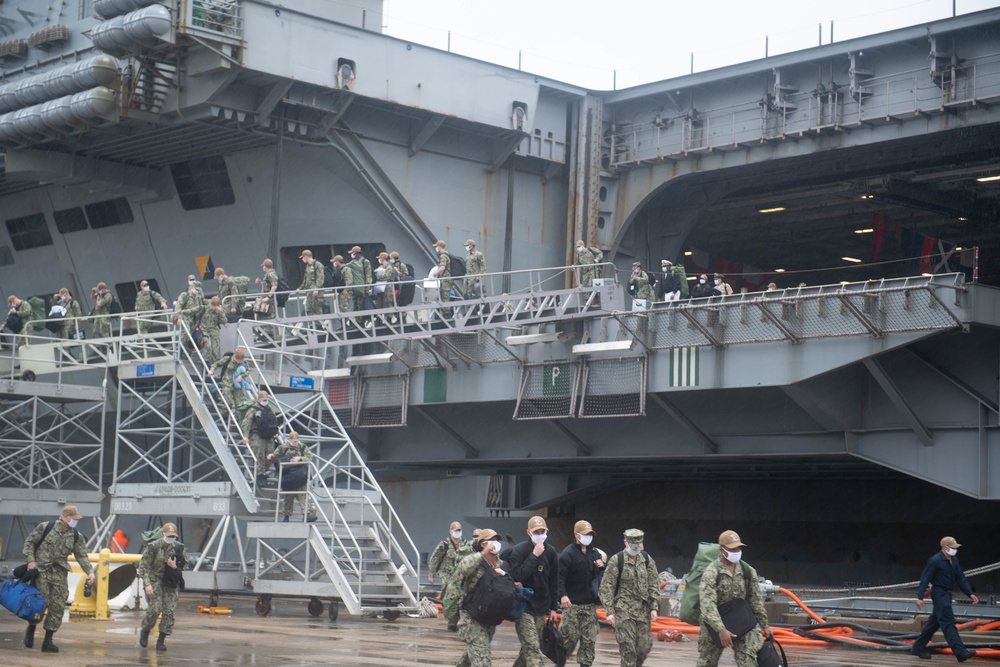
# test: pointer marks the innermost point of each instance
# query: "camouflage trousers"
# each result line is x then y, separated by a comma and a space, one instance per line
745, 648
288, 502
102, 327
211, 349
477, 638
261, 448
52, 584
314, 304
345, 302
635, 640
587, 276
164, 601
579, 624
529, 633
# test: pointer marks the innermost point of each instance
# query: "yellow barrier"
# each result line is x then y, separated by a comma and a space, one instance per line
96, 605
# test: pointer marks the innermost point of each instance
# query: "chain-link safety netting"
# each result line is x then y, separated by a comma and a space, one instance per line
547, 390
380, 400
614, 387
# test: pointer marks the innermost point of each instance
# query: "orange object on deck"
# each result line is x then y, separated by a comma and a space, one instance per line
119, 542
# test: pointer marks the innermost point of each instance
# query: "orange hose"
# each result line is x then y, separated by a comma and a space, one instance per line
986, 627
801, 605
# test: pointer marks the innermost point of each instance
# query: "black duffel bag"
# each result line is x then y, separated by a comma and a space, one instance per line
552, 644
173, 577
293, 475
14, 323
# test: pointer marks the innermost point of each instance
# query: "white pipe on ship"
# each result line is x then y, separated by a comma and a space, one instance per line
40, 120
97, 71
129, 31
107, 9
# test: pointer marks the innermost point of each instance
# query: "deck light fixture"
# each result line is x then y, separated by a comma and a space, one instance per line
988, 179
610, 346
851, 259
866, 230
773, 209
369, 359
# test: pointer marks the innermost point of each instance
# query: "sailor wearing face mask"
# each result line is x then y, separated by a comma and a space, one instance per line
943, 573
46, 550
726, 579
535, 564
445, 559
470, 570
160, 566
579, 564
630, 592
587, 258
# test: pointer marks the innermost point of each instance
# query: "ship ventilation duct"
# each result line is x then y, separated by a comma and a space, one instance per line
84, 75
107, 9
42, 121
132, 31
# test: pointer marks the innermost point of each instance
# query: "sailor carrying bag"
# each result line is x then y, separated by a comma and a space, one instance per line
736, 614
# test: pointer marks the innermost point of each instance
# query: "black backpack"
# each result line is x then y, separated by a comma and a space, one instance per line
115, 308
457, 266
491, 600
283, 286
333, 278
15, 324
294, 475
406, 293
268, 426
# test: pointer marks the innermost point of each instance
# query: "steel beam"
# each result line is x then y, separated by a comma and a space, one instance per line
470, 451
897, 398
809, 405
689, 426
581, 448
426, 132
263, 111
986, 401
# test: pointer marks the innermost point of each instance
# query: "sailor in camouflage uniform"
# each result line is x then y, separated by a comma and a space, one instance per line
631, 599
443, 272
260, 445
467, 574
638, 284
445, 558
161, 588
293, 447
211, 328
361, 278
102, 310
48, 556
587, 259
402, 270
234, 287
386, 275
190, 306
71, 327
266, 307
22, 309
312, 282
579, 565
344, 301
724, 580
147, 301
228, 366
475, 267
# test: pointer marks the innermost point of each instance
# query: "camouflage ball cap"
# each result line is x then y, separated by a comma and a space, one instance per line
949, 542
170, 530
71, 512
730, 540
634, 538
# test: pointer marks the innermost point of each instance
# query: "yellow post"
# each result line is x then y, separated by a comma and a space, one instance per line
96, 605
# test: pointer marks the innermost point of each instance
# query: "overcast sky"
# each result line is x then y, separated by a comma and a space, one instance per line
584, 42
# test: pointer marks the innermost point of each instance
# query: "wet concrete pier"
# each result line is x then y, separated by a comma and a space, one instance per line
290, 637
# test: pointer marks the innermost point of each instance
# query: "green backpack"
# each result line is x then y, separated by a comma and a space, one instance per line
690, 601
37, 308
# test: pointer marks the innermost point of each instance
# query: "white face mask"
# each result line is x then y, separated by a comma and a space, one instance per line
169, 539
579, 248
702, 281
733, 556
492, 546
145, 288
190, 282
585, 540
539, 538
392, 261
630, 551
438, 249
457, 534
951, 552
73, 522
264, 403
717, 281
468, 248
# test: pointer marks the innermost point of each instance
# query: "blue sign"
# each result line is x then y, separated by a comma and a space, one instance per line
299, 382
145, 371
